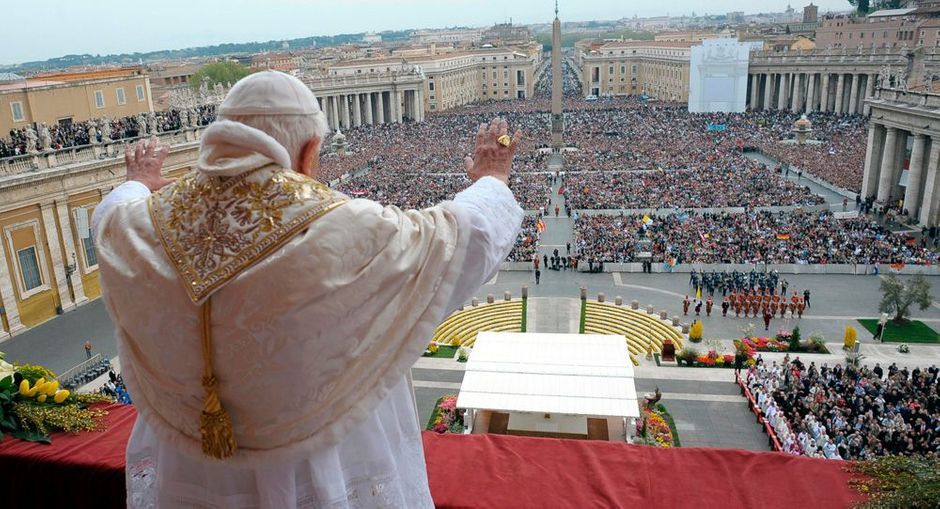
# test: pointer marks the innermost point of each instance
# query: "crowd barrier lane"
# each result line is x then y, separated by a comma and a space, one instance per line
773, 441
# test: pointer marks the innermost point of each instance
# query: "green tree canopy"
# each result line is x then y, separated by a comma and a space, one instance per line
897, 297
866, 6
220, 72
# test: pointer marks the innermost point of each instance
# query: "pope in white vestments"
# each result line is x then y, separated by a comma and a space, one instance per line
265, 323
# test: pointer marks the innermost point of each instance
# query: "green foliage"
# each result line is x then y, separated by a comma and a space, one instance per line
795, 340
911, 331
32, 373
568, 39
688, 355
219, 72
197, 52
897, 297
867, 6
672, 423
909, 482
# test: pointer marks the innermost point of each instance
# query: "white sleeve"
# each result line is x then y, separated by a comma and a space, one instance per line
488, 210
130, 190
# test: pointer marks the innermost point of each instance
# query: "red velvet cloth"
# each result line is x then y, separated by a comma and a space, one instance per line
509, 471
77, 470
87, 470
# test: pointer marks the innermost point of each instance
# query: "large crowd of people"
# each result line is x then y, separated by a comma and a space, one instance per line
754, 237
77, 134
844, 412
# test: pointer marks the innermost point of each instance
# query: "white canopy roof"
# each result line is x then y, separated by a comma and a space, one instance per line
577, 374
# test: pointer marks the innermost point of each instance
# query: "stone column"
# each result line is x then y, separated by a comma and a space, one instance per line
357, 110
344, 107
876, 139
397, 104
419, 95
7, 293
71, 253
55, 253
915, 175
380, 107
840, 88
782, 92
824, 93
795, 92
810, 93
755, 85
888, 161
768, 86
930, 212
869, 91
334, 112
369, 108
853, 95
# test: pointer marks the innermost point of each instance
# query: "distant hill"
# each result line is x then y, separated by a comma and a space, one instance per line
198, 52
568, 39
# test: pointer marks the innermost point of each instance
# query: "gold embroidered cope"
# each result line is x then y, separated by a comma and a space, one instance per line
214, 228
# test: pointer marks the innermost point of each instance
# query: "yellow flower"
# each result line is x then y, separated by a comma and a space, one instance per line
24, 387
60, 395
38, 387
41, 398
51, 388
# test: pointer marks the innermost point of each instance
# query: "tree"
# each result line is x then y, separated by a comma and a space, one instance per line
219, 72
898, 297
866, 6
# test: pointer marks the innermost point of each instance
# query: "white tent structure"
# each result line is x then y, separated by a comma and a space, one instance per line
550, 383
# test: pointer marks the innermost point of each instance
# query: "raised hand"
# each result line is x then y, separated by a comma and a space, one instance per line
145, 162
490, 157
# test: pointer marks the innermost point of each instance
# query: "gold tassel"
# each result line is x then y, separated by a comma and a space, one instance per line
215, 425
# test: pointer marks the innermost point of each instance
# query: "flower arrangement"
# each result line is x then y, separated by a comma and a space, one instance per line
653, 428
712, 359
849, 338
463, 354
446, 418
903, 348
32, 404
764, 344
696, 332
431, 349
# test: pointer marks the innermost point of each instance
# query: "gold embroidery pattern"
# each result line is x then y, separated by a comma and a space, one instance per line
213, 229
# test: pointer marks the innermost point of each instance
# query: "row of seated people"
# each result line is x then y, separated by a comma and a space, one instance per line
845, 412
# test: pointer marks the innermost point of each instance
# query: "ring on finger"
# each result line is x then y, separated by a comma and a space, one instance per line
504, 140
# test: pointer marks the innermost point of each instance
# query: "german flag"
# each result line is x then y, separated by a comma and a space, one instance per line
783, 236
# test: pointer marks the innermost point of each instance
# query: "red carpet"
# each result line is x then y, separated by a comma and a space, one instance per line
504, 471
490, 471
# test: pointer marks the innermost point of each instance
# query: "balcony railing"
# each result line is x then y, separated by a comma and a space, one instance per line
82, 154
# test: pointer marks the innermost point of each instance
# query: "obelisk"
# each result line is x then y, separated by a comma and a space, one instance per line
558, 119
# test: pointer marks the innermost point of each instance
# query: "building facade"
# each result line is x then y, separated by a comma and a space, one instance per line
831, 80
902, 160
73, 97
48, 262
352, 100
456, 78
655, 69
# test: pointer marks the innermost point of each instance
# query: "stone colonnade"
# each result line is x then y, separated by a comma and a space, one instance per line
884, 166
344, 111
806, 92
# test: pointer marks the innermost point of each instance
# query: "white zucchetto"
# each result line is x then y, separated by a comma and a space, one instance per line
269, 93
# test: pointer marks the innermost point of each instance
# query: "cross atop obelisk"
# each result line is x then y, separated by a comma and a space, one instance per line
558, 120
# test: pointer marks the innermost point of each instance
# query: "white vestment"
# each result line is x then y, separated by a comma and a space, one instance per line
311, 343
